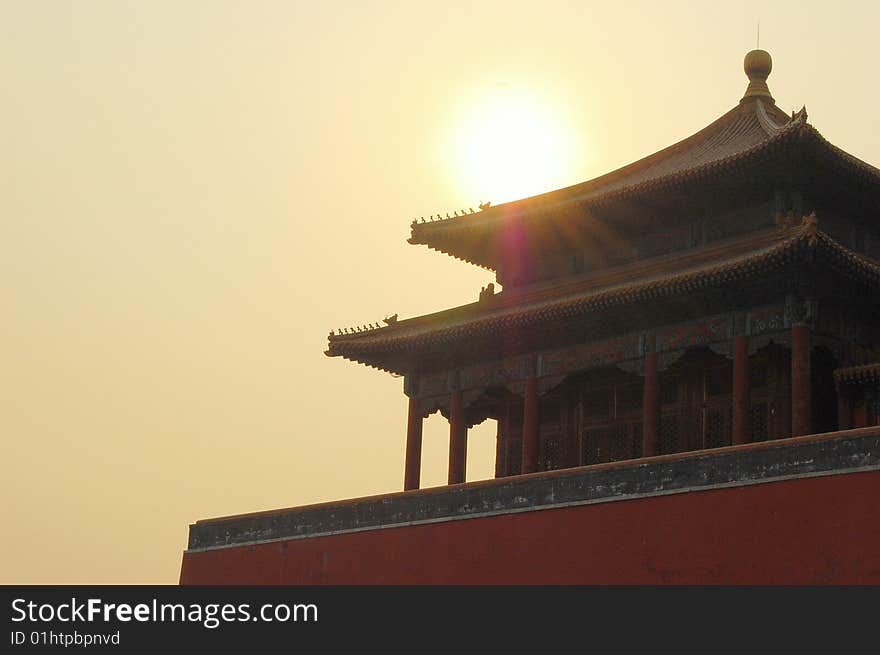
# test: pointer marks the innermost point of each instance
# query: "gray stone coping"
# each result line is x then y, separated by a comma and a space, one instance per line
813, 455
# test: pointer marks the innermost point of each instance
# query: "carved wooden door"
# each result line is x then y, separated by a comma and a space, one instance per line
692, 419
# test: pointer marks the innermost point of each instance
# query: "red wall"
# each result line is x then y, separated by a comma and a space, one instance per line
823, 530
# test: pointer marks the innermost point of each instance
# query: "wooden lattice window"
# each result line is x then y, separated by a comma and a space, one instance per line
872, 405
611, 421
717, 415
669, 431
619, 443
718, 426
636, 439
696, 399
769, 379
759, 421
691, 435
611, 443
591, 451
551, 454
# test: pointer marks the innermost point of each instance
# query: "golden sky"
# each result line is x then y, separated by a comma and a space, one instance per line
193, 194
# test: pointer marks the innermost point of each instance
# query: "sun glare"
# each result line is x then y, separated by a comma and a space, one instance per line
510, 145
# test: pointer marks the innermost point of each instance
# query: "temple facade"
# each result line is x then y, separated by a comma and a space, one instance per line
683, 360
722, 291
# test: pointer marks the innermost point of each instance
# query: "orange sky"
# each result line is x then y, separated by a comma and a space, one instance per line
195, 193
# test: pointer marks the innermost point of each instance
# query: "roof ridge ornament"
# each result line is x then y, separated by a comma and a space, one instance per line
757, 65
799, 115
811, 228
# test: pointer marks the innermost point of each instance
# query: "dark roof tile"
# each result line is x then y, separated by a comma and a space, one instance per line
661, 277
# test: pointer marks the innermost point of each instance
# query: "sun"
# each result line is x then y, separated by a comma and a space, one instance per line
510, 144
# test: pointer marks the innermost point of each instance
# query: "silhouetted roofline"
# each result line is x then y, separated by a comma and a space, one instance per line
641, 282
748, 133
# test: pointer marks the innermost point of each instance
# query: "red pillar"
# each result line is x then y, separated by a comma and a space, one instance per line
499, 452
650, 408
860, 415
742, 429
457, 439
413, 468
801, 390
501, 440
530, 427
844, 409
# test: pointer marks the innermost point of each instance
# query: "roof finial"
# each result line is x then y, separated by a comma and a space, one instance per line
758, 40
757, 66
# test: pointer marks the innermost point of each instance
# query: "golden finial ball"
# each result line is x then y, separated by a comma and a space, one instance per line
758, 64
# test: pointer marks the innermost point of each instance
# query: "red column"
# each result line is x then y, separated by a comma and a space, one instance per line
502, 440
844, 409
530, 427
457, 439
499, 452
413, 468
860, 415
650, 408
742, 429
801, 390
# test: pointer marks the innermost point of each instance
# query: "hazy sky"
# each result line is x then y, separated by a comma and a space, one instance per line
193, 194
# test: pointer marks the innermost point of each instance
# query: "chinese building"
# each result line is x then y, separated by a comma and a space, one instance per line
706, 319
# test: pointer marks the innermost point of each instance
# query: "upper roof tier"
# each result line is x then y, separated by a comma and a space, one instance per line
750, 134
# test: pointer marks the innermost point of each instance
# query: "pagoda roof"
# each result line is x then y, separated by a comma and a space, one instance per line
753, 131
389, 347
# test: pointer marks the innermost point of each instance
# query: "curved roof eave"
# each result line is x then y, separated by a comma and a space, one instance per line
446, 235
369, 346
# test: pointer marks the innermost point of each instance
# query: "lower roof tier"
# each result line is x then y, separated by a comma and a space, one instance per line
753, 261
